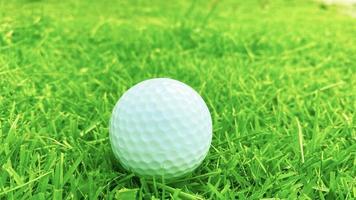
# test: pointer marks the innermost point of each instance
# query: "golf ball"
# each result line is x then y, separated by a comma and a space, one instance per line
160, 128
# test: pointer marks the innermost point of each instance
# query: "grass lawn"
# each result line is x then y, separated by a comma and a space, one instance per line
279, 79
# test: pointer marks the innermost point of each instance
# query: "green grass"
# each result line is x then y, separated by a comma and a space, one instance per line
278, 77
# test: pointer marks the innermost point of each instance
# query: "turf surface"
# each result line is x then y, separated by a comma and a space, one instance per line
278, 77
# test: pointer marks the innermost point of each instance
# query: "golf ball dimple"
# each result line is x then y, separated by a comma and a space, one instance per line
160, 128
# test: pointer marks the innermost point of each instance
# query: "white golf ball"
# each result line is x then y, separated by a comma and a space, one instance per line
160, 128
